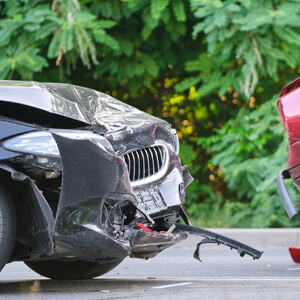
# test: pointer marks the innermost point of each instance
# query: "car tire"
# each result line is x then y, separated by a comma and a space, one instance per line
7, 226
71, 269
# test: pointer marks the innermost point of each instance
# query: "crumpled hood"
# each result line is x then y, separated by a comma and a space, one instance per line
77, 103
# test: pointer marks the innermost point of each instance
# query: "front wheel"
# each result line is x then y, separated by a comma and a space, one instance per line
7, 226
70, 269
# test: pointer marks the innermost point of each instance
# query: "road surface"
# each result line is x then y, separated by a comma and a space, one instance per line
173, 274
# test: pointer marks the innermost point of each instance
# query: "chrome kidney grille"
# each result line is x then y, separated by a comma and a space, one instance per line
146, 163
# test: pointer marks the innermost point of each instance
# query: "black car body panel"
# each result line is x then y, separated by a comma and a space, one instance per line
92, 131
70, 102
108, 184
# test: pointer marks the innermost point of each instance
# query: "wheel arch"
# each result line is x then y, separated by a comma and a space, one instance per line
34, 218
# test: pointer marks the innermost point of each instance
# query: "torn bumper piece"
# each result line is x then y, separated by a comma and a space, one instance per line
145, 244
211, 237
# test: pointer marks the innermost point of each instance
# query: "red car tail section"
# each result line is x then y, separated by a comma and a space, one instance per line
289, 111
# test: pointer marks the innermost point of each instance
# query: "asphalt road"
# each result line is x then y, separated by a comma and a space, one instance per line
173, 274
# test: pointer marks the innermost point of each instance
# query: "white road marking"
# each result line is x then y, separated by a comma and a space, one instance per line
247, 279
170, 285
190, 280
293, 269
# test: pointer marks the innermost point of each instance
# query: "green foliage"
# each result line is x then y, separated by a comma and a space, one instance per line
246, 41
210, 212
20, 51
71, 33
152, 28
250, 150
206, 66
69, 29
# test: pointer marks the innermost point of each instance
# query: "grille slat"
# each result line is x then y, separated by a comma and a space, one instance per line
144, 163
156, 160
147, 164
138, 165
160, 155
152, 169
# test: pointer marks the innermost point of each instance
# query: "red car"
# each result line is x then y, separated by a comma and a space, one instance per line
289, 111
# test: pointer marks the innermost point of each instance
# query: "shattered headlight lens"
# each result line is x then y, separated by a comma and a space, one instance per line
39, 149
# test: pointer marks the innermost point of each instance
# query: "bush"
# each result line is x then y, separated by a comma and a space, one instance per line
250, 150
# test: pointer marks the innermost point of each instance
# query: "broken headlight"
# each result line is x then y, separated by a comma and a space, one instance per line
38, 148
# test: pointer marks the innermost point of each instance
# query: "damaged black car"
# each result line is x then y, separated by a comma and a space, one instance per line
86, 180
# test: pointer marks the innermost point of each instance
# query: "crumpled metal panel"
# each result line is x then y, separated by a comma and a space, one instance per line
104, 109
36, 95
91, 174
79, 103
90, 168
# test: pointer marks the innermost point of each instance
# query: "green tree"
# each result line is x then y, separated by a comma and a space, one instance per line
209, 67
247, 43
251, 53
34, 32
249, 151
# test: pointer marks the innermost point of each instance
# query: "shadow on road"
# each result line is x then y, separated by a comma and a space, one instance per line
103, 285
